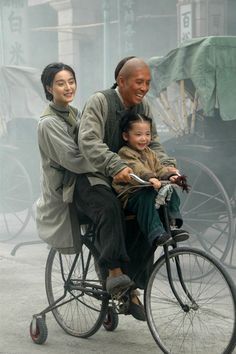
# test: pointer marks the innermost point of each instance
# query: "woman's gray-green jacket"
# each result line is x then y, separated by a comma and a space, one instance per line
58, 151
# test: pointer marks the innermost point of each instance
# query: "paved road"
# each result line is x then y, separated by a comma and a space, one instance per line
23, 294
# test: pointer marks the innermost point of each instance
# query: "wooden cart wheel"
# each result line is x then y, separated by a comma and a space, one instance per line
16, 197
206, 210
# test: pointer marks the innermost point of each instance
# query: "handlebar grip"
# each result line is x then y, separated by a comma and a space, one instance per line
139, 180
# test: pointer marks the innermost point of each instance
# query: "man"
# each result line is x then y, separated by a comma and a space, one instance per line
99, 141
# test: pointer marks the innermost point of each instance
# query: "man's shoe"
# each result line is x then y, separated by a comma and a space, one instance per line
115, 284
179, 235
137, 310
162, 239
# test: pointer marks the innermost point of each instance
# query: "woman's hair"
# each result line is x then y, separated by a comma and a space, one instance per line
119, 67
129, 118
48, 74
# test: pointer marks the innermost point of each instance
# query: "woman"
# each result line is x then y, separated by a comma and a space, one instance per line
56, 218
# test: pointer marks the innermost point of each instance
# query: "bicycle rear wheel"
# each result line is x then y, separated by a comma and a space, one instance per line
83, 310
207, 323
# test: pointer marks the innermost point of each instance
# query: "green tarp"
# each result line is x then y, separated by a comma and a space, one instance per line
208, 65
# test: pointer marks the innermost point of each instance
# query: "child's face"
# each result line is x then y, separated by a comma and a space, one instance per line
139, 135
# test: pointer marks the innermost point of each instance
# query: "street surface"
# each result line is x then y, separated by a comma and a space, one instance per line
23, 294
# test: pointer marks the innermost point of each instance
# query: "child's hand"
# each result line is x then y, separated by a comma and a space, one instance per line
155, 182
174, 178
173, 170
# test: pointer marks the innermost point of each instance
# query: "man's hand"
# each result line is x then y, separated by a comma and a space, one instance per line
123, 175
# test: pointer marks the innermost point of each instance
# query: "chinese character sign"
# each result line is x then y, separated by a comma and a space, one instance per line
185, 22
14, 36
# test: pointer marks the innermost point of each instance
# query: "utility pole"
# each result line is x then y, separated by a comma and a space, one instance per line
106, 37
2, 58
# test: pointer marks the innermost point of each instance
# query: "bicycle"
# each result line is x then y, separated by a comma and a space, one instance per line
190, 299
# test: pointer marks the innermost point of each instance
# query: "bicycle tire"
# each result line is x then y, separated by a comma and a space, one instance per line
210, 325
83, 314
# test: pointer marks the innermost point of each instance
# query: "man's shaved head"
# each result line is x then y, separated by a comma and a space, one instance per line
131, 66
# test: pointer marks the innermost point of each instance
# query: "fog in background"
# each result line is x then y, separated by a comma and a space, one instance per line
92, 36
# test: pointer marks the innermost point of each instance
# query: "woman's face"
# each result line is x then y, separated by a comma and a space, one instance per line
63, 88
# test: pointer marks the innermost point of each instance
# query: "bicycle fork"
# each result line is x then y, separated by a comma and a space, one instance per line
184, 306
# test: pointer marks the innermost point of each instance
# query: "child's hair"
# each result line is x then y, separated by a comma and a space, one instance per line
129, 118
48, 74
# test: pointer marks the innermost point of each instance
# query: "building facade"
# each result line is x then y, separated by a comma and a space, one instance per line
93, 35
199, 18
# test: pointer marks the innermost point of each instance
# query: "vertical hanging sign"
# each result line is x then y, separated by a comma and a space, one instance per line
127, 26
14, 31
185, 22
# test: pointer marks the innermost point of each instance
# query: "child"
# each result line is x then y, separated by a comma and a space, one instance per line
136, 132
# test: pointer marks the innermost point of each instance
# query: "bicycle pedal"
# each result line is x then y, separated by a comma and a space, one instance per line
170, 242
124, 304
123, 309
116, 296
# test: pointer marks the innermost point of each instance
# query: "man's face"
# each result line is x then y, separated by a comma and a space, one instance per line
135, 87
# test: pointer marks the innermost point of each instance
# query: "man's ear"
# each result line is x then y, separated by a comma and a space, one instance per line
125, 136
120, 81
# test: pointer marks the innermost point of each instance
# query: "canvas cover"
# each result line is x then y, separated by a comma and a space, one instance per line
21, 93
206, 64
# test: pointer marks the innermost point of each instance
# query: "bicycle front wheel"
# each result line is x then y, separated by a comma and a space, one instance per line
206, 322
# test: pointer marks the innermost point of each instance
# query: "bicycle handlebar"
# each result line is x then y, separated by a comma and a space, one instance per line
146, 183
142, 184
179, 182
139, 180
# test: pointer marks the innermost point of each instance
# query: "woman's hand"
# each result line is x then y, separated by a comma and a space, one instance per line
155, 182
123, 175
